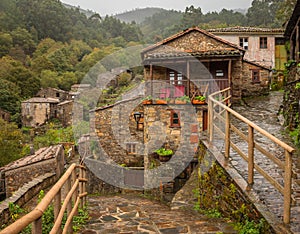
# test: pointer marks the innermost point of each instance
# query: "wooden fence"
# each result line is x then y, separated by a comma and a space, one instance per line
220, 112
73, 182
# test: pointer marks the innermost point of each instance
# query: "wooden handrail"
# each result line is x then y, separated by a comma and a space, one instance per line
250, 123
252, 144
38, 211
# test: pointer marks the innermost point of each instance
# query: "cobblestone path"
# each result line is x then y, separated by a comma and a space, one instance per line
263, 111
135, 214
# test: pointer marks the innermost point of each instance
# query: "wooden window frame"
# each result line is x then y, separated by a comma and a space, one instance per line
178, 78
244, 42
256, 77
131, 148
172, 124
263, 43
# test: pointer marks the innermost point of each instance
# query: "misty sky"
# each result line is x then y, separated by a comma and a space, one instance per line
111, 7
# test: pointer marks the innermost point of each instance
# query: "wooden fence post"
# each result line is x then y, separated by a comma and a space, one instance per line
69, 205
57, 204
75, 194
210, 119
287, 187
37, 226
250, 155
227, 134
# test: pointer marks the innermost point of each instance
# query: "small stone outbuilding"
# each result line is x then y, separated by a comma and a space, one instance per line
18, 173
37, 111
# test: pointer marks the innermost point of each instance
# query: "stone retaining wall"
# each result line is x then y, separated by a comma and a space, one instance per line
25, 194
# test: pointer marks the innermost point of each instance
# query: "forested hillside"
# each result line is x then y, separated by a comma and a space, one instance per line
138, 15
44, 44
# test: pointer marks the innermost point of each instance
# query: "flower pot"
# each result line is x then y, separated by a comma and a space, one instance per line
198, 102
161, 102
180, 102
147, 102
165, 158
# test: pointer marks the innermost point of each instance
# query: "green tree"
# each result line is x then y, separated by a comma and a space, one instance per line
6, 43
21, 37
191, 17
10, 97
285, 10
263, 13
11, 142
14, 71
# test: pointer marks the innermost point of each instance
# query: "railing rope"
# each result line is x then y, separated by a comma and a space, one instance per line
35, 216
216, 108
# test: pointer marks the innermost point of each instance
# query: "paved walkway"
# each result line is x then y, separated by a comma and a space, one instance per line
263, 111
135, 214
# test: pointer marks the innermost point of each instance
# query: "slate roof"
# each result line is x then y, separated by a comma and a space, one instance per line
198, 54
184, 32
40, 155
257, 64
250, 30
41, 100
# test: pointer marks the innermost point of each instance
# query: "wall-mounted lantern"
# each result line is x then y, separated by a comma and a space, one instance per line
137, 116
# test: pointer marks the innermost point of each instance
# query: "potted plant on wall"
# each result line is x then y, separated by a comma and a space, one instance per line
164, 154
199, 100
161, 101
182, 100
147, 100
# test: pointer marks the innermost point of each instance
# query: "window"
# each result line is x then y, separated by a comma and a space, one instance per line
175, 77
57, 94
255, 76
175, 121
219, 73
263, 43
131, 148
244, 42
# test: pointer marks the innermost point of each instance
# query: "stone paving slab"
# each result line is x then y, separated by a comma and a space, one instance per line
135, 214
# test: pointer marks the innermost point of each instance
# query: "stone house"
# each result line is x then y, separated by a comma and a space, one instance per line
36, 111
49, 92
265, 46
196, 59
20, 172
64, 112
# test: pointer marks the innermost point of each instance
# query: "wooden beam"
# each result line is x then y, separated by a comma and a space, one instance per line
151, 80
297, 50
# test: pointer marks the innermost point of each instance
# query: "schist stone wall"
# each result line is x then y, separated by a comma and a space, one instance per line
50, 160
251, 88
114, 132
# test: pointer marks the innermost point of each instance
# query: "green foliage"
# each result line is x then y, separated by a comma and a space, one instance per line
164, 152
54, 135
250, 227
11, 142
15, 213
263, 13
295, 135
200, 98
297, 86
184, 98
